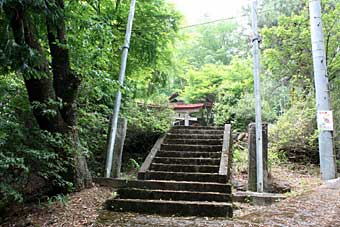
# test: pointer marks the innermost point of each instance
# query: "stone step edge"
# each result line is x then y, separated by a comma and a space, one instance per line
193, 134
196, 129
182, 202
184, 173
122, 183
217, 152
200, 131
198, 139
194, 142
191, 145
190, 152
112, 182
181, 208
185, 176
199, 127
176, 191
176, 158
180, 165
184, 159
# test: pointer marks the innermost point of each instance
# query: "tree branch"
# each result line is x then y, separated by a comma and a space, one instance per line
39, 90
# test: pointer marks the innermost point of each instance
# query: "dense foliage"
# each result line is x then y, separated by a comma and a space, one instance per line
287, 78
299, 123
287, 59
27, 158
59, 62
84, 37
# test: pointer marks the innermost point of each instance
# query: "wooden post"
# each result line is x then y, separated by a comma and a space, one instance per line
252, 170
118, 148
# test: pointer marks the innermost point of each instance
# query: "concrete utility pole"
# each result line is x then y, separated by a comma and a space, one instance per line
258, 119
252, 164
326, 152
125, 50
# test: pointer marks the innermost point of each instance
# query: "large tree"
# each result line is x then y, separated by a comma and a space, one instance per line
61, 48
52, 86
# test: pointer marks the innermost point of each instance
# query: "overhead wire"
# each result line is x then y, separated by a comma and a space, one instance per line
224, 19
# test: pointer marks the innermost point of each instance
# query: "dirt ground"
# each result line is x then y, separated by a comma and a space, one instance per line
79, 209
309, 204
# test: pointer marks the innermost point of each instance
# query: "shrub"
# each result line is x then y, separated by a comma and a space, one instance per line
295, 132
242, 112
146, 122
29, 164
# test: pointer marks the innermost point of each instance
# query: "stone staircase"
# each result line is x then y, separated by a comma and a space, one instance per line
186, 173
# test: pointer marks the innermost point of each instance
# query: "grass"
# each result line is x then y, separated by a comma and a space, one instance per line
240, 160
60, 198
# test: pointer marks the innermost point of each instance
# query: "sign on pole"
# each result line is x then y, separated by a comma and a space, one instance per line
323, 104
325, 121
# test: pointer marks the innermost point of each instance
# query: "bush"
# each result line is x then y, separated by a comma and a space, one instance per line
295, 133
29, 164
242, 112
146, 122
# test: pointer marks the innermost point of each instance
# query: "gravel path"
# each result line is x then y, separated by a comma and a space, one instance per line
318, 207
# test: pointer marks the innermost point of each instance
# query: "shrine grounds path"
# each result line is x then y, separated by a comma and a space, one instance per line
317, 206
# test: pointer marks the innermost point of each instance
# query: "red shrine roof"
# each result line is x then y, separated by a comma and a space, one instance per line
181, 106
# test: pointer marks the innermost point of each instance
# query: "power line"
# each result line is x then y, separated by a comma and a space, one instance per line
211, 22
223, 19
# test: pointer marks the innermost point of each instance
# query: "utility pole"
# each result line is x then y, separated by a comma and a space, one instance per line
326, 152
114, 122
258, 119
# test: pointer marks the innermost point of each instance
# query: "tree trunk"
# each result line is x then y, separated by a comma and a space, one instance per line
46, 91
66, 85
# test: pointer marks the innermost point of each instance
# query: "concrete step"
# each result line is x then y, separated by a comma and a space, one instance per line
185, 176
188, 154
194, 141
199, 127
184, 208
196, 131
185, 168
185, 147
181, 178
180, 186
137, 193
193, 136
187, 161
